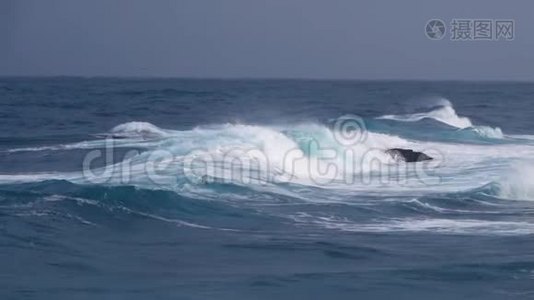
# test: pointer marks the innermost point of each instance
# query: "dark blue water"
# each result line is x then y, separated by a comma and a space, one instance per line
463, 229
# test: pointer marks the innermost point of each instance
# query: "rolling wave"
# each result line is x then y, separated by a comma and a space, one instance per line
275, 155
514, 184
445, 113
226, 163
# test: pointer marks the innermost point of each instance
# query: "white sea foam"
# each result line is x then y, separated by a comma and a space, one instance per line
464, 226
265, 149
438, 225
138, 129
517, 183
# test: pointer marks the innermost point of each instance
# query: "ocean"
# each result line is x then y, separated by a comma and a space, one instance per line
141, 188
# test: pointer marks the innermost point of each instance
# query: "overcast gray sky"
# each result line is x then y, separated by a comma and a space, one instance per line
252, 38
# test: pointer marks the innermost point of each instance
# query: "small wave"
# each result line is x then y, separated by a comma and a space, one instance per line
489, 132
33, 177
131, 134
424, 224
442, 226
445, 113
138, 129
524, 137
454, 226
80, 145
87, 145
484, 132
515, 184
99, 204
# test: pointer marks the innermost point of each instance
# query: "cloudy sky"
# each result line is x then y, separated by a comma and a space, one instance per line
261, 39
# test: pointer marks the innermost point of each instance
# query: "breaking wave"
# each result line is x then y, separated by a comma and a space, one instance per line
308, 163
445, 113
515, 183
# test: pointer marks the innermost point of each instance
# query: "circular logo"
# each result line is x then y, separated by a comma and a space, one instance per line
349, 130
435, 29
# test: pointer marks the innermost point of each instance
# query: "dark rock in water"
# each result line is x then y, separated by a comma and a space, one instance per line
408, 155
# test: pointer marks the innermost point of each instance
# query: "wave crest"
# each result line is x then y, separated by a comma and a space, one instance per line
444, 112
516, 184
138, 130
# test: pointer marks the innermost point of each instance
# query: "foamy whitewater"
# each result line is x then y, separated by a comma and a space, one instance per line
192, 190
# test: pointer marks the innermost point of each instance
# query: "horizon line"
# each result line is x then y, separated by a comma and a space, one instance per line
238, 78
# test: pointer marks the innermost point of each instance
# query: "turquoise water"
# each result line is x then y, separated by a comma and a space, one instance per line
105, 190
